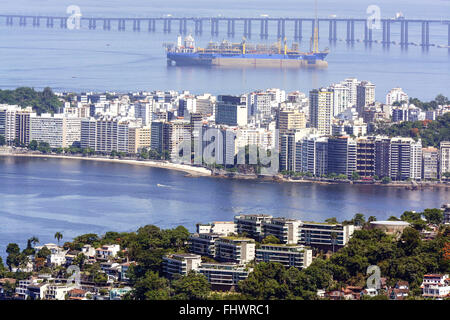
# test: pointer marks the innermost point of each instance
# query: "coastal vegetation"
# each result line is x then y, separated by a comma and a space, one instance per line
432, 132
41, 101
405, 258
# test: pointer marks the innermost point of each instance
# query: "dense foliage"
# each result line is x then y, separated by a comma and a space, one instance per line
42, 102
431, 132
405, 258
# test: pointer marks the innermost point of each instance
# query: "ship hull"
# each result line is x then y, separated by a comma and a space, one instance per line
315, 60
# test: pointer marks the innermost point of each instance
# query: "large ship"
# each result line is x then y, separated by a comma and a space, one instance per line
243, 54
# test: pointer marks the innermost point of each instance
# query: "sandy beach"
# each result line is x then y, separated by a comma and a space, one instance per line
192, 171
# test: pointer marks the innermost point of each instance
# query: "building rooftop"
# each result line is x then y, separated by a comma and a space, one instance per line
390, 223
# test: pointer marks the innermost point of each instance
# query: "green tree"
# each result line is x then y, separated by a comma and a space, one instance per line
193, 286
270, 239
332, 220
435, 216
2, 140
33, 145
44, 253
151, 287
13, 259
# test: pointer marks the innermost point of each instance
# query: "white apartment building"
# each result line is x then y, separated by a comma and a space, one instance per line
405, 159
286, 230
321, 110
365, 95
181, 264
224, 228
224, 276
351, 84
288, 255
59, 130
444, 158
341, 98
235, 249
260, 137
396, 95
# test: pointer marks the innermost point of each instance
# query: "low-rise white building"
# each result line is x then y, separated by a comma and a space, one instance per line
436, 286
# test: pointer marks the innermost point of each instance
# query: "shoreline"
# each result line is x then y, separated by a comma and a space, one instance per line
192, 171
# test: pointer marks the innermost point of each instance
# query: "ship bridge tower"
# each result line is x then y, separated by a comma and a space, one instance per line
189, 42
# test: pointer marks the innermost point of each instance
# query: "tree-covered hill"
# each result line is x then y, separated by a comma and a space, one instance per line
431, 132
42, 101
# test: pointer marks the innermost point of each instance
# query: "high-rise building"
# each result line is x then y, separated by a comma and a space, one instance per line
59, 130
321, 110
290, 120
15, 122
342, 156
341, 94
406, 159
365, 95
105, 134
351, 84
444, 158
430, 161
139, 137
396, 95
365, 157
383, 157
231, 114
314, 155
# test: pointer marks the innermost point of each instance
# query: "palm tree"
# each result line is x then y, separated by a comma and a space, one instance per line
34, 240
58, 236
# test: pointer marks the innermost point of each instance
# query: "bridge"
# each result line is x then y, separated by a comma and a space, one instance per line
214, 24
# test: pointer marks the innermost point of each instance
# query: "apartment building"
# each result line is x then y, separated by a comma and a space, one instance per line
224, 276
203, 244
297, 256
251, 224
223, 228
139, 138
405, 159
235, 249
180, 264
430, 163
286, 230
324, 234
444, 158
321, 110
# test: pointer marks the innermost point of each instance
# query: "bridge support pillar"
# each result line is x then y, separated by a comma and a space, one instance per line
49, 22
63, 23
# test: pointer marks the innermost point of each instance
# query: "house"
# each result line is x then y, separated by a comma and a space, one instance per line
57, 256
88, 250
57, 291
436, 286
77, 294
107, 251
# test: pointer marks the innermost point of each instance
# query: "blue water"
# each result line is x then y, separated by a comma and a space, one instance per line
82, 60
39, 197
